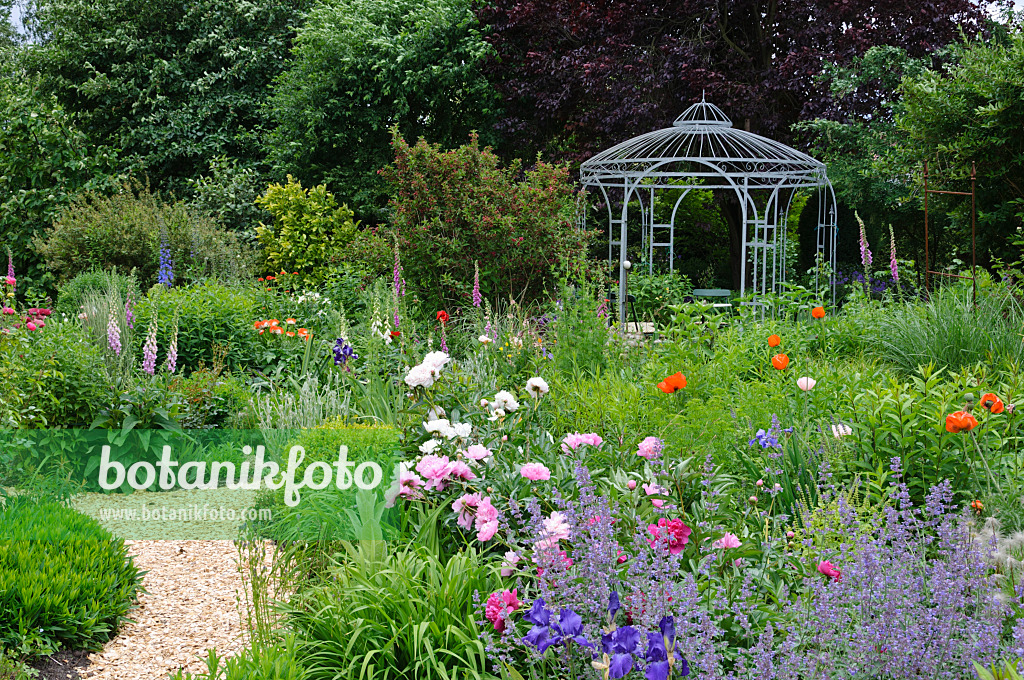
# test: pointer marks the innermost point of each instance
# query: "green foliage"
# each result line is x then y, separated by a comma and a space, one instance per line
55, 377
949, 331
228, 194
125, 230
452, 209
44, 161
65, 582
212, 399
581, 332
656, 293
72, 295
277, 661
209, 315
309, 233
363, 66
389, 615
326, 514
174, 85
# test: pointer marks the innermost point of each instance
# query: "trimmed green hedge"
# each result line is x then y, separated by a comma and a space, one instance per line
65, 581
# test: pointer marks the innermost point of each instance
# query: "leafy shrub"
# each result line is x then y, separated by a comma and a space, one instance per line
72, 295
211, 399
64, 580
309, 231
125, 230
210, 314
228, 195
56, 376
654, 294
452, 208
391, 615
581, 332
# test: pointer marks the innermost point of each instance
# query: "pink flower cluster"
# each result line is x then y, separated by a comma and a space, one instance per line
650, 448
439, 470
575, 440
676, 533
500, 605
474, 511
34, 320
535, 472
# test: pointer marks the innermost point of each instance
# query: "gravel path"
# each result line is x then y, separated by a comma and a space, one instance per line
192, 605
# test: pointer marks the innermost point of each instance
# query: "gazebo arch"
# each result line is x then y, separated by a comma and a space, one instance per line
702, 150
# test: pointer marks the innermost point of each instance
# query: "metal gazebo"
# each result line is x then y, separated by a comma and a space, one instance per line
702, 150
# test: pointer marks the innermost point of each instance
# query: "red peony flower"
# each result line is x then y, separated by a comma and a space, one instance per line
678, 534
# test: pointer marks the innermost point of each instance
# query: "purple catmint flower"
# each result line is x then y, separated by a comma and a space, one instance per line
172, 349
113, 333
149, 349
477, 298
892, 256
166, 272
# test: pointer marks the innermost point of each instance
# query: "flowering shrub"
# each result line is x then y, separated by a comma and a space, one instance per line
452, 209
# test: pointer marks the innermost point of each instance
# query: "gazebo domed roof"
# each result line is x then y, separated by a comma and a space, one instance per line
703, 143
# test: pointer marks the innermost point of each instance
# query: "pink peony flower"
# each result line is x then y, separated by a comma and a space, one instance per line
460, 470
486, 520
477, 452
8, 310
677, 534
575, 440
631, 484
727, 541
622, 557
650, 448
499, 606
654, 490
31, 326
434, 469
11, 280
508, 567
535, 472
830, 570
554, 529
465, 507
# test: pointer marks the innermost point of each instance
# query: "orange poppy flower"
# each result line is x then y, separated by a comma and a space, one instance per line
262, 331
818, 312
295, 273
960, 421
674, 382
260, 279
276, 330
270, 278
303, 333
780, 361
992, 403
290, 321
274, 322
395, 334
977, 506
258, 325
774, 341
290, 334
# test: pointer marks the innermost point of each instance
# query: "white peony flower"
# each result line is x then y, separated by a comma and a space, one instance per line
462, 430
436, 360
506, 401
441, 426
435, 412
428, 446
498, 413
485, 340
420, 376
537, 387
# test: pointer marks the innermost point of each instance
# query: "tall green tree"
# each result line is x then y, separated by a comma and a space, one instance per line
362, 67
44, 162
174, 84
